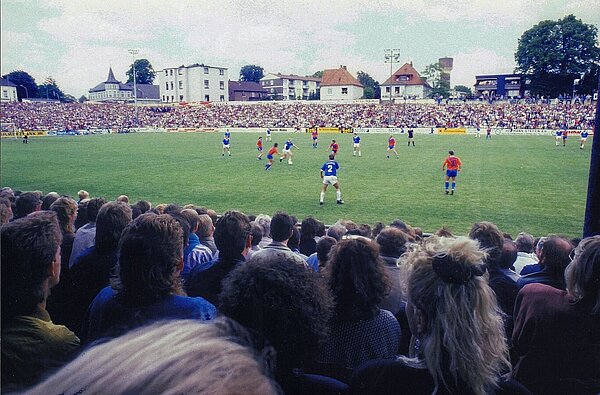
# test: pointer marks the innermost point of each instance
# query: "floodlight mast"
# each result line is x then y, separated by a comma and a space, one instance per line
134, 52
391, 56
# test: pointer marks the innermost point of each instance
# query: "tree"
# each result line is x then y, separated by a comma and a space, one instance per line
144, 73
465, 89
555, 53
372, 89
50, 90
318, 74
433, 76
26, 86
251, 72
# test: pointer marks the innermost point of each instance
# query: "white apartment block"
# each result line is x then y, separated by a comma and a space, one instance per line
290, 87
9, 90
195, 83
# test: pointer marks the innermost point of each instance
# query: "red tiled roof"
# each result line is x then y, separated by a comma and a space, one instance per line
413, 77
337, 77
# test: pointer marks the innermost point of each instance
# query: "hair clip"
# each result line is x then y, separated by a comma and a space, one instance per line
452, 271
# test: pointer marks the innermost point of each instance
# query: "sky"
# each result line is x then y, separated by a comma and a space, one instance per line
76, 41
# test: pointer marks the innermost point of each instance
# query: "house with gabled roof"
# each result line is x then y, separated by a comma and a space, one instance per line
112, 90
9, 90
339, 84
290, 87
406, 82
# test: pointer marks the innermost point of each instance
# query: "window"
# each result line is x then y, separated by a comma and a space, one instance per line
222, 85
180, 84
222, 98
180, 98
164, 98
344, 91
171, 72
397, 90
206, 97
172, 85
172, 98
206, 70
206, 84
221, 72
329, 91
179, 71
166, 86
387, 89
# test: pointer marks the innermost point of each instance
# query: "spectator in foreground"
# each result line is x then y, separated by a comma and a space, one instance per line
233, 239
31, 344
206, 231
360, 330
82, 194
447, 292
27, 203
177, 357
284, 302
148, 286
491, 240
256, 238
85, 236
525, 255
6, 213
282, 227
557, 332
92, 270
554, 258
66, 212
318, 260
392, 244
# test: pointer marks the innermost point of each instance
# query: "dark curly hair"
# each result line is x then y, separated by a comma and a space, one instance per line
285, 302
357, 279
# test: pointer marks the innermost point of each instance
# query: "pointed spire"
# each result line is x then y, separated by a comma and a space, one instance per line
111, 77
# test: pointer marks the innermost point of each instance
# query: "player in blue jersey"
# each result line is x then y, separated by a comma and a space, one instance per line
478, 132
227, 134
226, 146
356, 140
287, 151
329, 177
584, 136
268, 135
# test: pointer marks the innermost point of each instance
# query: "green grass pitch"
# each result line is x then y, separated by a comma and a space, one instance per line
521, 183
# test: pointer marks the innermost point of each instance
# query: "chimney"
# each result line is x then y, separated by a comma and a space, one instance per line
344, 67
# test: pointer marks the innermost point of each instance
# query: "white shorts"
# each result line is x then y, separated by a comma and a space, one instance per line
356, 145
583, 139
558, 138
225, 146
330, 180
287, 151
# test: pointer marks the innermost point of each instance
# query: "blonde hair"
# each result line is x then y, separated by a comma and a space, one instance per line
173, 357
65, 207
583, 273
464, 338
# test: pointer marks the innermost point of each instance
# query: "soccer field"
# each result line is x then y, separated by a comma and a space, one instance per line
521, 183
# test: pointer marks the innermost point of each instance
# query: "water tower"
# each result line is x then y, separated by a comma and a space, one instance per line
446, 65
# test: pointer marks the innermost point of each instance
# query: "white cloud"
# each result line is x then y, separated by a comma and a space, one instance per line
478, 62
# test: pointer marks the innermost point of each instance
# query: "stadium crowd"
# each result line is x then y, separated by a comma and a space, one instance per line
104, 296
521, 115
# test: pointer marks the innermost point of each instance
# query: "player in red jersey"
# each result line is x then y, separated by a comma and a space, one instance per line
259, 147
315, 137
333, 147
272, 151
452, 165
392, 147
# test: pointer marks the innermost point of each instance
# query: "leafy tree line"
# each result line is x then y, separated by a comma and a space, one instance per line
555, 54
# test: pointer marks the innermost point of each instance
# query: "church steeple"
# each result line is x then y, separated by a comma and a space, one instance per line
111, 77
